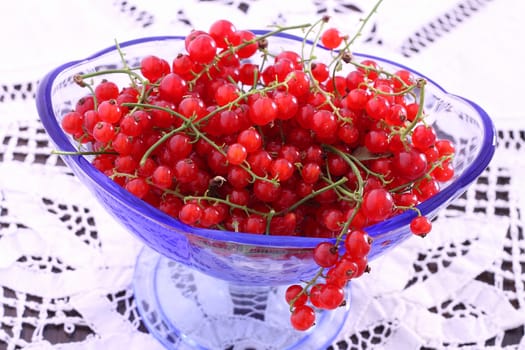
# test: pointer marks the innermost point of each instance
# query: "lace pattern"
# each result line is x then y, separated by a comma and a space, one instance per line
66, 267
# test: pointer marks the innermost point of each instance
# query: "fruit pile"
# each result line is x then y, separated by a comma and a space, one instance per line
233, 135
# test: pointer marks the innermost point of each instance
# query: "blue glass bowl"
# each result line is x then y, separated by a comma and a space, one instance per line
247, 259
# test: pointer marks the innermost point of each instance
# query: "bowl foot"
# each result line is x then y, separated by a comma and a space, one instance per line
185, 309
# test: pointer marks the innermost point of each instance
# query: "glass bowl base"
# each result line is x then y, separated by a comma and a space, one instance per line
185, 310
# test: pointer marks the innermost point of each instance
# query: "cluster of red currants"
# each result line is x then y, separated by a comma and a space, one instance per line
279, 144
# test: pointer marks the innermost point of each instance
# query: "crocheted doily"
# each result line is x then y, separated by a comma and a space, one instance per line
66, 266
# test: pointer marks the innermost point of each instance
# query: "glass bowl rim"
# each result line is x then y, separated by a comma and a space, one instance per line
60, 139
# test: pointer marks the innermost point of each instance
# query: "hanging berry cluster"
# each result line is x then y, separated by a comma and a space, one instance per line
289, 145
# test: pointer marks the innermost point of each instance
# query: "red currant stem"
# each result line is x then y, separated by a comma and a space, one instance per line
116, 173
124, 63
276, 31
328, 96
211, 199
351, 161
165, 109
381, 177
92, 92
256, 75
363, 24
308, 284
406, 87
159, 142
419, 115
315, 41
165, 191
410, 207
264, 60
269, 217
405, 91
127, 71
342, 192
312, 194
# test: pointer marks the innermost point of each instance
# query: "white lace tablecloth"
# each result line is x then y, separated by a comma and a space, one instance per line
66, 266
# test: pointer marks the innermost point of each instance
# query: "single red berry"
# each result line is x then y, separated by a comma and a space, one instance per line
358, 243
236, 154
109, 111
281, 169
255, 224
106, 90
324, 123
333, 218
377, 204
320, 71
376, 141
331, 296
302, 318
172, 88
202, 48
369, 68
325, 254
226, 93
104, 132
423, 137
266, 191
72, 123
210, 217
138, 187
162, 177
311, 172
263, 111
123, 144
250, 139
153, 68
223, 32
420, 225
443, 172
190, 213
332, 38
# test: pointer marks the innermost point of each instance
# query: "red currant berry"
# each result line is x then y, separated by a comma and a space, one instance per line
325, 254
302, 318
222, 31
190, 213
331, 38
358, 243
377, 204
236, 154
420, 225
202, 49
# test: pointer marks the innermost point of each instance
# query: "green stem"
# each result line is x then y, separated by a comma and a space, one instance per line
313, 194
363, 24
159, 142
127, 71
226, 202
419, 115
